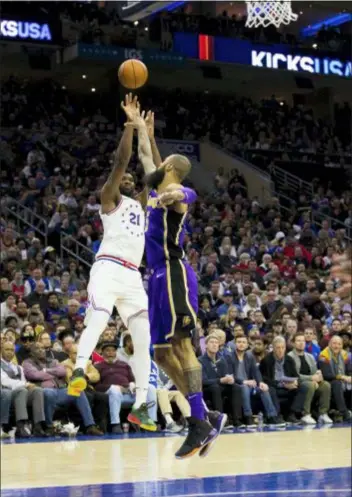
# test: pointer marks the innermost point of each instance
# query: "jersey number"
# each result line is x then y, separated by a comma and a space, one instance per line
135, 219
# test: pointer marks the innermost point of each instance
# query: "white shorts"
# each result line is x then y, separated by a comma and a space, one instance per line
113, 285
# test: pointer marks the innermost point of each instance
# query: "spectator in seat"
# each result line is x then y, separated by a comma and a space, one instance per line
313, 378
53, 310
38, 296
67, 340
336, 368
242, 366
32, 282
228, 302
218, 383
27, 338
258, 350
279, 371
16, 390
117, 380
45, 340
311, 346
51, 376
8, 308
99, 401
167, 393
271, 306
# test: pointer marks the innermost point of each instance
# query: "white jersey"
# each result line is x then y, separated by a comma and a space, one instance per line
124, 232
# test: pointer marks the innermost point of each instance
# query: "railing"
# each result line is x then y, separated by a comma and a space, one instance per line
284, 179
23, 217
70, 247
318, 216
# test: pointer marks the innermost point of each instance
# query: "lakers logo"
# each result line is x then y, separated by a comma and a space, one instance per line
186, 321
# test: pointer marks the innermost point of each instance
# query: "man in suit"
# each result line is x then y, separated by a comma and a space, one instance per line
16, 390
244, 369
279, 371
218, 383
271, 306
313, 379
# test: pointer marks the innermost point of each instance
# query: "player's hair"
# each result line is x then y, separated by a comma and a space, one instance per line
181, 165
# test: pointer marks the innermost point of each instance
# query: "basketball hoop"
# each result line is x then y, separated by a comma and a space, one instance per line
266, 13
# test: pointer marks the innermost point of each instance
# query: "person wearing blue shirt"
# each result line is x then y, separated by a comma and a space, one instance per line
228, 302
311, 347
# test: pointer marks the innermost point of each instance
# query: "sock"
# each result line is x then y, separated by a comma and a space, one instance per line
90, 336
140, 363
168, 419
197, 408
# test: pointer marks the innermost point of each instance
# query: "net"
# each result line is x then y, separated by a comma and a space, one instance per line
266, 13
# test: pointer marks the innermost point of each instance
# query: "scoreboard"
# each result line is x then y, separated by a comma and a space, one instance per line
133, 11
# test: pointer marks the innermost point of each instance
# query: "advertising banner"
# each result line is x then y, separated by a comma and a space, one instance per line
190, 149
284, 57
112, 53
30, 31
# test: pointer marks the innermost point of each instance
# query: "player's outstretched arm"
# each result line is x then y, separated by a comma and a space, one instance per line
177, 197
149, 120
110, 194
144, 145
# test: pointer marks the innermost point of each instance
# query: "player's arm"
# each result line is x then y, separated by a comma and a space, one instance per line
149, 120
110, 194
145, 154
178, 197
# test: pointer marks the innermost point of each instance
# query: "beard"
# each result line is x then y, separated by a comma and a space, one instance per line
126, 192
153, 180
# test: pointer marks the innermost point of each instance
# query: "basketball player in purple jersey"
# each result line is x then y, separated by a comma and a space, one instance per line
173, 289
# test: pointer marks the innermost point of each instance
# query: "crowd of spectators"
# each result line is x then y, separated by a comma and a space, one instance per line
263, 272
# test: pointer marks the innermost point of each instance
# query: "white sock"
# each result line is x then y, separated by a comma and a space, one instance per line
168, 419
90, 336
140, 332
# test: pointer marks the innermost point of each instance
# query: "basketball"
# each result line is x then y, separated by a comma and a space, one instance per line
133, 74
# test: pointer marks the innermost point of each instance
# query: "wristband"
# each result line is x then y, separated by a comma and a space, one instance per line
190, 195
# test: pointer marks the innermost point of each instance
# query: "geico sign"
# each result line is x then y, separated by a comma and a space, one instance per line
314, 65
182, 148
25, 30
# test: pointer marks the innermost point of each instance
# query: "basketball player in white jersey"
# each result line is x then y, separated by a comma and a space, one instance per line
115, 279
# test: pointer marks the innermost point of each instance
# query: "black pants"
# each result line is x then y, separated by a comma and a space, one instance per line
289, 401
339, 396
99, 403
217, 393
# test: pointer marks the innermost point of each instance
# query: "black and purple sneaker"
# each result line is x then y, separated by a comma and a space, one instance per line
218, 421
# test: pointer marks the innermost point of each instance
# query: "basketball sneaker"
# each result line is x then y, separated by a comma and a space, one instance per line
139, 416
77, 383
218, 421
200, 433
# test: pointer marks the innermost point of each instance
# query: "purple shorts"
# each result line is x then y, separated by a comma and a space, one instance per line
173, 300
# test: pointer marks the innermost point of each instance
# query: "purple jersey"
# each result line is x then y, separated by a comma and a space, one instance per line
164, 233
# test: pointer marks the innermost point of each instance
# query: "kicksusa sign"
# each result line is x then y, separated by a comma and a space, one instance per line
301, 63
26, 31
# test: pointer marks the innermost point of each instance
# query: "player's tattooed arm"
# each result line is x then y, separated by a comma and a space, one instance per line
110, 194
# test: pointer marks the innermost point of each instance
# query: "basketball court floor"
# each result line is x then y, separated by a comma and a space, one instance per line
296, 462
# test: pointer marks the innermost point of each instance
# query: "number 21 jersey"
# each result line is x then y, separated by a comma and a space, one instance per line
124, 232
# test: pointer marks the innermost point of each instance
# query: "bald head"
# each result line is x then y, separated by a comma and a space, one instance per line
180, 164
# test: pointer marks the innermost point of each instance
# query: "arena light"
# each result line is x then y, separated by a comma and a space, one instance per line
337, 20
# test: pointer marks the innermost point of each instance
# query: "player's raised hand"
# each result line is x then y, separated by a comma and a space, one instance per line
149, 121
131, 107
